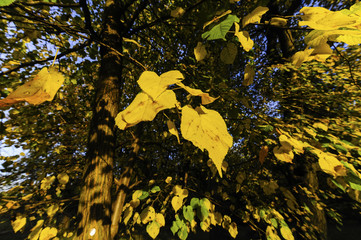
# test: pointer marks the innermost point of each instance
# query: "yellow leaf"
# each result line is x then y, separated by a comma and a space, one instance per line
160, 219
177, 203
244, 38
206, 98
178, 191
63, 178
144, 108
48, 233
278, 22
168, 179
41, 88
286, 233
254, 16
35, 231
229, 53
206, 129
233, 230
323, 19
155, 85
284, 153
302, 56
200, 52
153, 229
330, 164
127, 214
271, 233
249, 74
320, 126
19, 223
52, 210
178, 12
46, 182
27, 197
147, 215
321, 52
172, 129
297, 145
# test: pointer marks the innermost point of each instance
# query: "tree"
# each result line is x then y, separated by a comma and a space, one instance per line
155, 69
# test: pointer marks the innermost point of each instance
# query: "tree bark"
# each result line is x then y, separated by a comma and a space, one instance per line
94, 211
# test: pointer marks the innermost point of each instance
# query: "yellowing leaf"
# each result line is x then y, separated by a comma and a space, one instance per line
200, 52
249, 74
27, 197
254, 16
51, 211
153, 229
48, 233
172, 129
160, 219
320, 126
63, 178
206, 129
321, 52
271, 233
147, 215
155, 85
41, 88
178, 12
168, 179
206, 98
19, 223
46, 182
178, 191
233, 230
244, 38
144, 108
229, 53
35, 231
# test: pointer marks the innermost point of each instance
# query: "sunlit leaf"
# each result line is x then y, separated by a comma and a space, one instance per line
18, 223
254, 16
160, 219
153, 229
206, 98
155, 85
48, 233
52, 210
188, 213
63, 178
41, 88
35, 231
233, 230
206, 129
144, 108
6, 2
46, 182
244, 38
330, 164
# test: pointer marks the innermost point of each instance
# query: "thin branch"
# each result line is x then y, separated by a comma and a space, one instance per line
88, 21
50, 4
32, 63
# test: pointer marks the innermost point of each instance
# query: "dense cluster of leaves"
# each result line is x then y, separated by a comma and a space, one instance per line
277, 145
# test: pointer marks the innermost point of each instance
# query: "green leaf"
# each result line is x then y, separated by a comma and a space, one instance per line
183, 233
174, 228
221, 29
340, 148
6, 2
194, 202
274, 222
155, 189
202, 212
144, 195
188, 213
354, 181
153, 229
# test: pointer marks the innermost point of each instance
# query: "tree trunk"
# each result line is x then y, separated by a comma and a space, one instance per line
94, 212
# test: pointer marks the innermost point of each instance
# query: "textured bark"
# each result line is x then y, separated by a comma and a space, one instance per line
94, 212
